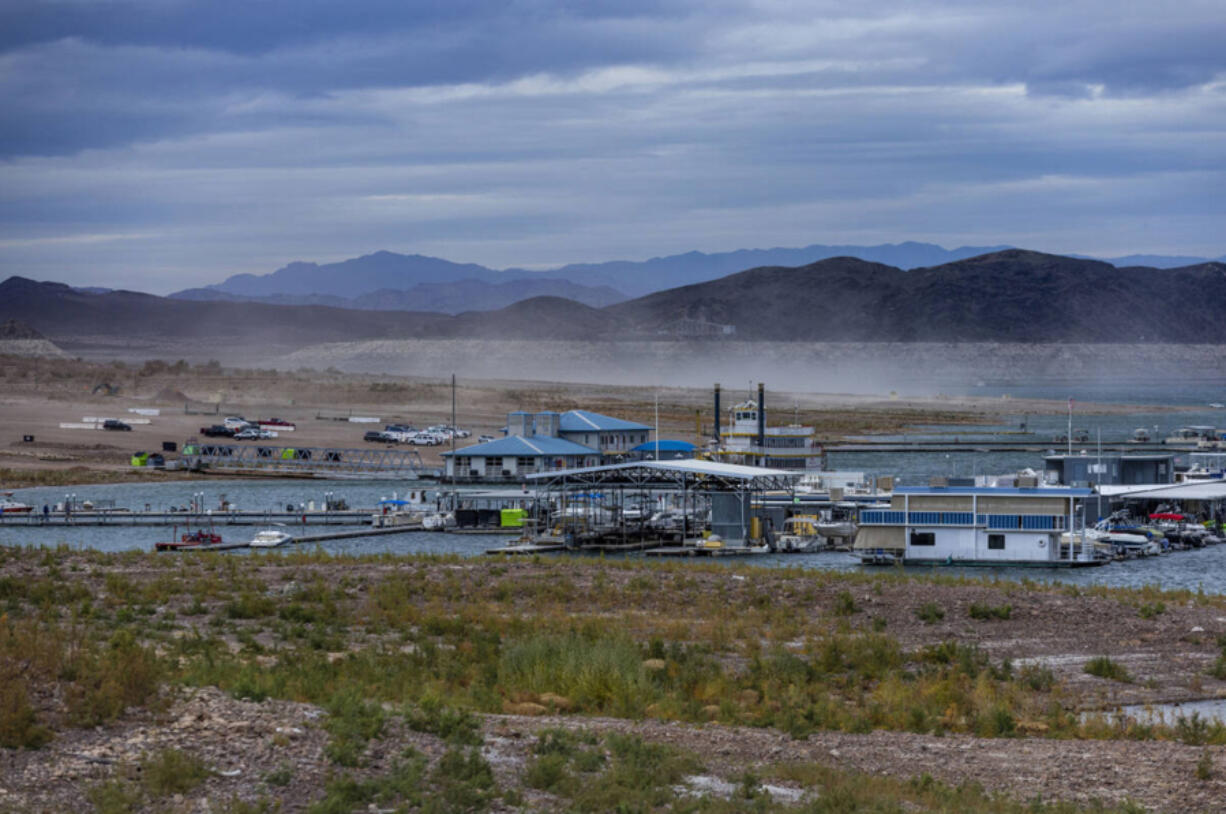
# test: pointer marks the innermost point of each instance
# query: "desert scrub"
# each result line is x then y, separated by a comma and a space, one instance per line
840, 790
456, 726
985, 612
845, 604
352, 722
1104, 667
1151, 610
618, 773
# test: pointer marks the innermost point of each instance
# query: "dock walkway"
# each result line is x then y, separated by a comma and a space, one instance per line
351, 517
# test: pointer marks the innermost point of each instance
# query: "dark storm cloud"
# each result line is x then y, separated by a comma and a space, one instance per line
161, 140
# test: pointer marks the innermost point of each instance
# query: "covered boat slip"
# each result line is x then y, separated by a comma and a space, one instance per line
1203, 497
646, 503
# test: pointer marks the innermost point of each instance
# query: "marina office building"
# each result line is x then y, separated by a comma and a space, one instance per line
1114, 468
544, 442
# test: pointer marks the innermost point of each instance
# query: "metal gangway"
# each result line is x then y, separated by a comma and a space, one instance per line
322, 461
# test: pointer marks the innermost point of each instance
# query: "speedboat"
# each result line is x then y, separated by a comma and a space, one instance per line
270, 538
10, 506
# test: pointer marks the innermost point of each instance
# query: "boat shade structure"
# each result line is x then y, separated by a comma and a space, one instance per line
1206, 490
731, 477
696, 491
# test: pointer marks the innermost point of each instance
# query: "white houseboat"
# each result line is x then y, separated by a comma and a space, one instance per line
977, 525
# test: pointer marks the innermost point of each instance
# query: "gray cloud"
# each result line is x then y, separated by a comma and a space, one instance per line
164, 144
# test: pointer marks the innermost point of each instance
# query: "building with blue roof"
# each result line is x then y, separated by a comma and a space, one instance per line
545, 441
667, 450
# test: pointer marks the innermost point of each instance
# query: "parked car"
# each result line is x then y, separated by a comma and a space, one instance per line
217, 431
248, 434
115, 424
484, 439
378, 437
427, 439
277, 422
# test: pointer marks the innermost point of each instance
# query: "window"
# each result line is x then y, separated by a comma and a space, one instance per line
996, 542
525, 464
923, 538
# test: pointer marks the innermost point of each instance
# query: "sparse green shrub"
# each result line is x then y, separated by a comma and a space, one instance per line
463, 782
126, 674
985, 612
845, 604
250, 606
171, 772
1204, 766
114, 797
930, 613
1037, 677
280, 776
603, 673
547, 772
1151, 610
19, 727
457, 726
402, 786
1104, 667
352, 722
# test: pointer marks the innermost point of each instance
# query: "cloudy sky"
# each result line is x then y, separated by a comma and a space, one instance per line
159, 144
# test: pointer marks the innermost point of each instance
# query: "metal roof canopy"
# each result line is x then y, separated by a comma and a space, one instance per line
1204, 490
689, 474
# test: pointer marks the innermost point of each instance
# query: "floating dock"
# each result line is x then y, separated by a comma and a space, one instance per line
527, 548
351, 517
310, 538
700, 551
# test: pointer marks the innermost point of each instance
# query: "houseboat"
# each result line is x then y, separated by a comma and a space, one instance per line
977, 525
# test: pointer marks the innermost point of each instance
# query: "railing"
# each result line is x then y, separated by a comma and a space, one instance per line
1025, 522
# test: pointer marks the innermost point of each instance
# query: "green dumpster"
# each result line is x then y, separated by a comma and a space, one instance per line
140, 458
513, 518
287, 454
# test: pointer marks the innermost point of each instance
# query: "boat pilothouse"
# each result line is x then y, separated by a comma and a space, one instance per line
748, 441
945, 525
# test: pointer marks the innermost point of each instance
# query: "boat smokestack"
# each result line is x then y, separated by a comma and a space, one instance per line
762, 420
717, 413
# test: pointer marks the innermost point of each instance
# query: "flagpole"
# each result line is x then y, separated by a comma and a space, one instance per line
1070, 425
657, 426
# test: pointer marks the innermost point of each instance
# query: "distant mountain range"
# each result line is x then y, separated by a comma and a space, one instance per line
443, 297
1010, 295
388, 281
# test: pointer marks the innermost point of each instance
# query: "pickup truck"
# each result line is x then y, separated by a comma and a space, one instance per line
217, 430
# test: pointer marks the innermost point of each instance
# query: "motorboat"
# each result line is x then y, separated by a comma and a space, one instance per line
199, 539
10, 506
800, 535
270, 538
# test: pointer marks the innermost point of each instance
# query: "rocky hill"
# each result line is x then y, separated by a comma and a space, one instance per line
19, 339
1006, 296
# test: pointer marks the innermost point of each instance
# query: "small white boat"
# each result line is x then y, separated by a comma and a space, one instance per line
10, 506
800, 535
270, 538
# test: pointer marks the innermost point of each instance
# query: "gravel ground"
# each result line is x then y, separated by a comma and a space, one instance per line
244, 742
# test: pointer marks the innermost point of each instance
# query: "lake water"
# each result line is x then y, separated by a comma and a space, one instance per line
1204, 568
